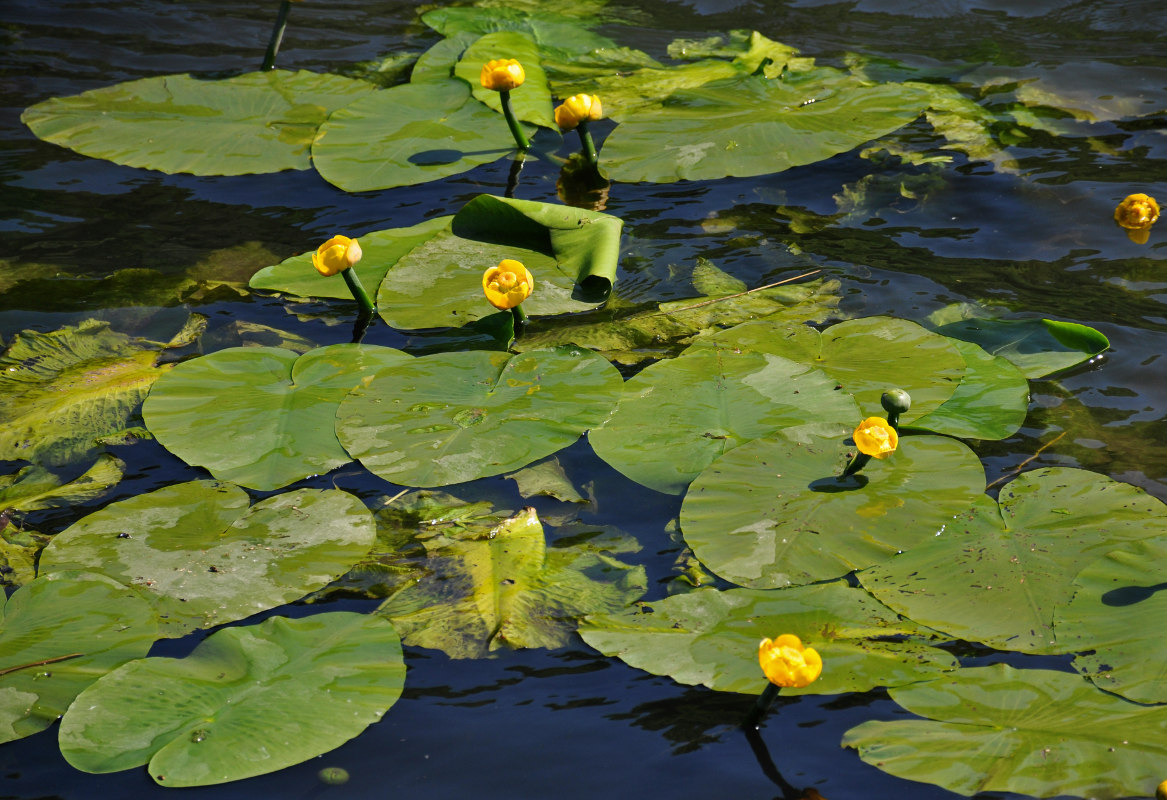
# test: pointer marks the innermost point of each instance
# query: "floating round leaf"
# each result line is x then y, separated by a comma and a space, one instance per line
990, 403
1034, 732
710, 637
531, 100
773, 513
262, 417
453, 417
257, 122
247, 701
1037, 347
677, 416
58, 635
204, 558
998, 573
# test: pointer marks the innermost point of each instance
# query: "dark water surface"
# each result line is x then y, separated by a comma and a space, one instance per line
572, 723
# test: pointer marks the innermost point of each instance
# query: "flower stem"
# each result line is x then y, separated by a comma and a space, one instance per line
359, 293
513, 177
520, 316
587, 146
761, 706
516, 131
857, 463
277, 36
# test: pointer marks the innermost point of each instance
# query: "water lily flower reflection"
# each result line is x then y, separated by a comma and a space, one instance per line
508, 284
336, 255
576, 109
875, 437
502, 75
787, 663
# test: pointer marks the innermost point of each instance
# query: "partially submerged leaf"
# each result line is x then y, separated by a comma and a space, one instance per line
35, 488
58, 635
486, 586
246, 702
204, 557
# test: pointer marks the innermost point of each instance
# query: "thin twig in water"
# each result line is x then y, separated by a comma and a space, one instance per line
1021, 466
740, 294
54, 660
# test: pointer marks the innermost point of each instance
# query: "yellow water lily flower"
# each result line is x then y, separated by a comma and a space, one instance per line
502, 75
576, 109
787, 663
1137, 212
508, 284
336, 255
875, 437
1161, 791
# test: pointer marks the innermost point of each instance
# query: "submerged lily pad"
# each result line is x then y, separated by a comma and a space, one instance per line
488, 584
998, 572
740, 127
710, 637
247, 701
261, 417
677, 416
771, 513
1117, 617
453, 417
65, 389
34, 488
204, 557
381, 249
410, 134
58, 635
1034, 732
572, 254
256, 122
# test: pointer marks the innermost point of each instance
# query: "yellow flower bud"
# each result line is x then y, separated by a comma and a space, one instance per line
1161, 791
508, 284
1137, 212
336, 255
577, 108
875, 437
502, 75
787, 663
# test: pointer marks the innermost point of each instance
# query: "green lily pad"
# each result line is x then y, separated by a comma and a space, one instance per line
453, 417
410, 134
64, 389
1034, 732
866, 357
991, 401
35, 488
203, 557
261, 417
677, 416
530, 102
998, 573
246, 702
19, 548
481, 587
256, 122
710, 637
572, 254
1037, 347
381, 249
752, 125
1117, 617
58, 635
558, 34
771, 513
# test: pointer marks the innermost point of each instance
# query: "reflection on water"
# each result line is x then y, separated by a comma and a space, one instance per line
1081, 87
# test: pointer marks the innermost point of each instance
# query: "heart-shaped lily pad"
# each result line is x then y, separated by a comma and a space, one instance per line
1035, 732
58, 634
531, 101
204, 557
262, 417
998, 572
677, 416
453, 417
772, 512
572, 254
710, 637
247, 701
256, 122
